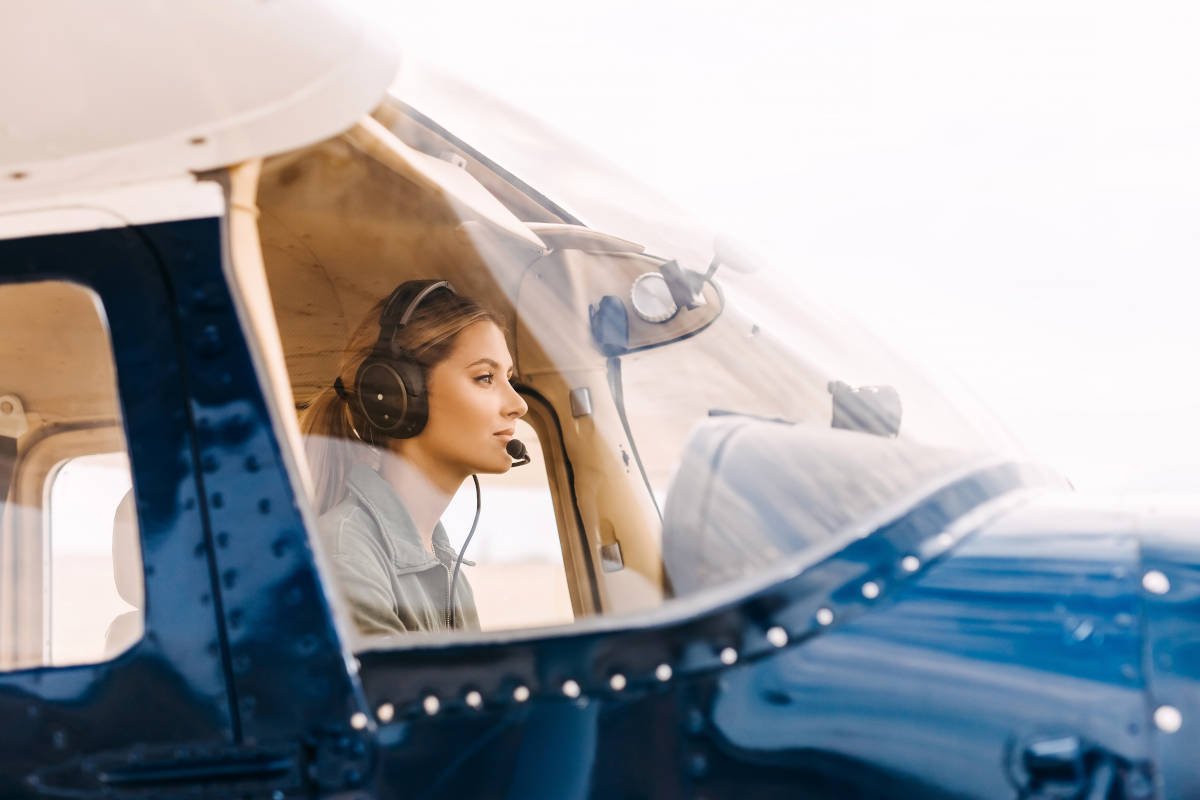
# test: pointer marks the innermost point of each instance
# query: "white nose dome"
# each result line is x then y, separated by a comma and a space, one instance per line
104, 93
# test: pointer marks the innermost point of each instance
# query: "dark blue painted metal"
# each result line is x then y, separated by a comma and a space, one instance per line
170, 688
1011, 662
949, 685
1171, 545
288, 673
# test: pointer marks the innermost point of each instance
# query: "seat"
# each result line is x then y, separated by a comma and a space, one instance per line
126, 629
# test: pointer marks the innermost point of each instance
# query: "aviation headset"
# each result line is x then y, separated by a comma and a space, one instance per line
390, 386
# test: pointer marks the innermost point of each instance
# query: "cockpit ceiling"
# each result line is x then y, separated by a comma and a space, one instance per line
344, 221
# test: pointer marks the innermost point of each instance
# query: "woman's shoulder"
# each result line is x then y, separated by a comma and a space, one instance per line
349, 531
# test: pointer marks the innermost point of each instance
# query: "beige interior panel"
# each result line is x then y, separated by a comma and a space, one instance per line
55, 353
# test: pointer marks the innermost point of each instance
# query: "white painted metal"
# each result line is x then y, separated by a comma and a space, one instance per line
99, 94
136, 204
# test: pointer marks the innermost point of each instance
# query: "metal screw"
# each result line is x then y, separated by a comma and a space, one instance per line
777, 636
1168, 719
1156, 583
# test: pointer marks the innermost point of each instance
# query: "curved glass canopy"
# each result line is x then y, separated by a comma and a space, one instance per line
700, 418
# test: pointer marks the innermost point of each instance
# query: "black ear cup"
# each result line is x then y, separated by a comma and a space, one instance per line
390, 386
391, 396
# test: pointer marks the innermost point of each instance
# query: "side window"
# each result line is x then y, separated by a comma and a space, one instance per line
94, 562
518, 577
71, 581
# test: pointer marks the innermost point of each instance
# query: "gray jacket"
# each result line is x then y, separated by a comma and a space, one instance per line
389, 579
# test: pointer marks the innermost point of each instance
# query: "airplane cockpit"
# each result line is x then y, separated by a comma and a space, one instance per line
640, 348
680, 392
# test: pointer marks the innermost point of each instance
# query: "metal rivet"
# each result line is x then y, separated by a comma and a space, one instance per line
1155, 582
1168, 719
379, 396
521, 694
358, 720
729, 656
570, 688
910, 563
663, 672
617, 682
385, 712
431, 704
824, 616
777, 636
870, 590
474, 699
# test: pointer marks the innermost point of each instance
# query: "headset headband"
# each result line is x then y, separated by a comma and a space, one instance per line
388, 330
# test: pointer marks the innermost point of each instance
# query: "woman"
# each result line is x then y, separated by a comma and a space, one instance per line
422, 401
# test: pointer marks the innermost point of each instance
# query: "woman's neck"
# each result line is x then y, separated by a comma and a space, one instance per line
424, 497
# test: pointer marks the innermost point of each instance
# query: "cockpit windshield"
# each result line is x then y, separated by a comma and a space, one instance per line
697, 416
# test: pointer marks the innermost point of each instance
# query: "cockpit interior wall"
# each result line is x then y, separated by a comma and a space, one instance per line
341, 224
61, 319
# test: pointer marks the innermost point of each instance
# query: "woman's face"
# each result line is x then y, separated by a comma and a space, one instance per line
472, 407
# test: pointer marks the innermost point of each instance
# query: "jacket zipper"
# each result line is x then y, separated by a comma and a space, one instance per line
449, 601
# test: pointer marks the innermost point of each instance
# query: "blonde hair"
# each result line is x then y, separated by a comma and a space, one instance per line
336, 435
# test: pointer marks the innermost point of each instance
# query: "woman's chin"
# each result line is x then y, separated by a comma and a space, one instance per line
497, 466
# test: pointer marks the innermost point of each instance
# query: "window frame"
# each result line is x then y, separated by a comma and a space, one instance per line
98, 702
577, 551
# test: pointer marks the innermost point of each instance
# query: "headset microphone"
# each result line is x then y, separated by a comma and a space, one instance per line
516, 449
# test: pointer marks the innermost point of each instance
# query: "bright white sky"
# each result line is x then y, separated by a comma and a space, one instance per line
1008, 192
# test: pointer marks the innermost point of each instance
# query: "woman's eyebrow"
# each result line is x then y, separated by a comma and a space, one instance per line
488, 361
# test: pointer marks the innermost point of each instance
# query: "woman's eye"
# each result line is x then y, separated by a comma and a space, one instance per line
485, 378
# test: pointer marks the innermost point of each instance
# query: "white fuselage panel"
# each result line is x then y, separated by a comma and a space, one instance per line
102, 94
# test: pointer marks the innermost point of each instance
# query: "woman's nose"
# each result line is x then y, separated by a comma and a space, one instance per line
516, 406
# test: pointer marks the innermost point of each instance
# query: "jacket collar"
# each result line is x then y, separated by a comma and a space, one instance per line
380, 500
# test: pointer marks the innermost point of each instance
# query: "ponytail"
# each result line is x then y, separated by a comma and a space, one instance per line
333, 446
